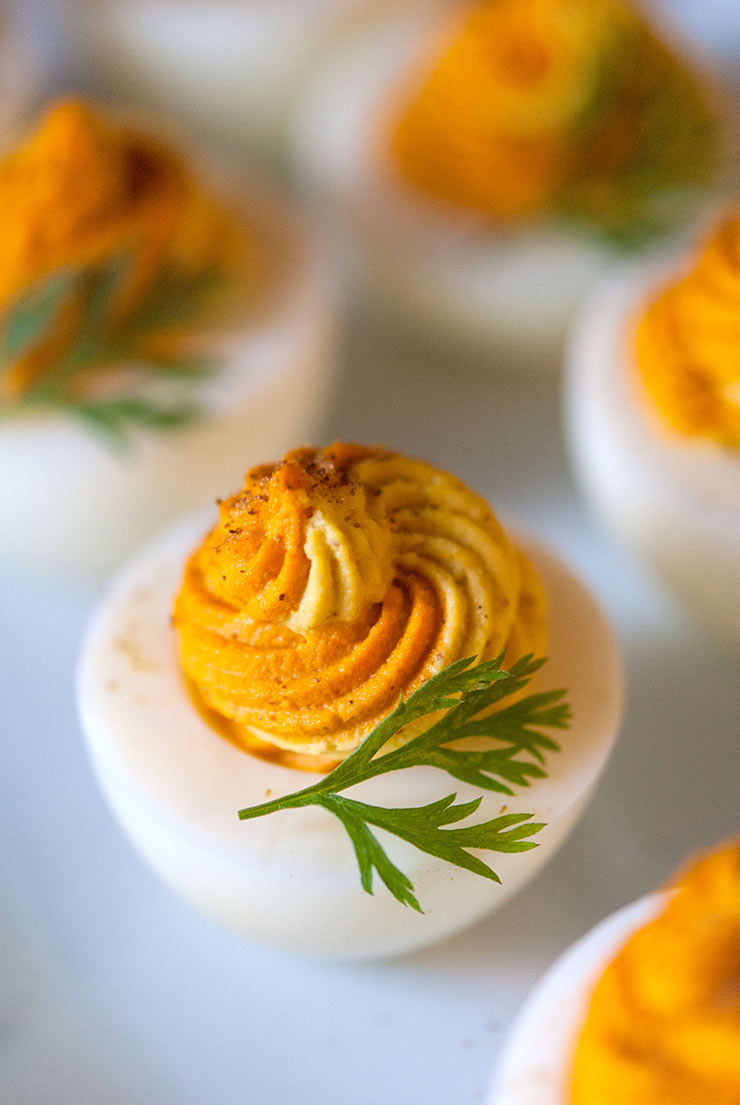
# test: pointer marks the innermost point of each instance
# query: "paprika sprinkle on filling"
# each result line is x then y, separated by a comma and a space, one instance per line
337, 581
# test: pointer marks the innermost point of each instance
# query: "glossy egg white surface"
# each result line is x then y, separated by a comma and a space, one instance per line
509, 293
534, 1068
88, 504
675, 501
290, 879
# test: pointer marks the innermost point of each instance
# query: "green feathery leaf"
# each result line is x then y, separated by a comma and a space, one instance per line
173, 299
33, 314
509, 751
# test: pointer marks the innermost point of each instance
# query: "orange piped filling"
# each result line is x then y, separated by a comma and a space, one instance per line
663, 1026
537, 106
85, 189
335, 582
688, 344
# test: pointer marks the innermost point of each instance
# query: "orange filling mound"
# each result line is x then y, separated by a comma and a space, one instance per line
335, 582
536, 106
663, 1027
84, 190
688, 343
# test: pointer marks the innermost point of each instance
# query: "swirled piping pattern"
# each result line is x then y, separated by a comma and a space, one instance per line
333, 583
688, 343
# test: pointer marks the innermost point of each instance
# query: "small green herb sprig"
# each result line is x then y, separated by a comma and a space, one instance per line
514, 756
98, 341
675, 152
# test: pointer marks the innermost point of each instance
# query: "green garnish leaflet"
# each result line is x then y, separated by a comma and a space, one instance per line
98, 342
508, 751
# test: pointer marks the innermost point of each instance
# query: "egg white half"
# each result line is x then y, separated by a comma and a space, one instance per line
291, 879
509, 293
534, 1068
673, 500
74, 507
230, 66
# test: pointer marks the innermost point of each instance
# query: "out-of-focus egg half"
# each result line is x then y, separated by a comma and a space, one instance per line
490, 159
534, 1067
176, 783
643, 1009
227, 68
156, 338
653, 427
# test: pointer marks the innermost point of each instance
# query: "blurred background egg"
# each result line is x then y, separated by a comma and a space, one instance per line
472, 226
674, 500
233, 68
534, 1067
97, 488
438, 271
644, 1008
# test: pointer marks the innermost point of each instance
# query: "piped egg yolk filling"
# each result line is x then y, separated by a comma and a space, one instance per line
85, 190
663, 1027
335, 582
536, 106
688, 344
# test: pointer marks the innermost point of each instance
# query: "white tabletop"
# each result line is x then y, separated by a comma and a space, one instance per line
112, 990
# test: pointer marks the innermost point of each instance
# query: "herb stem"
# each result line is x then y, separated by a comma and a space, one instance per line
462, 700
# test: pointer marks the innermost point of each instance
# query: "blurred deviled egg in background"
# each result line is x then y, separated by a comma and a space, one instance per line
333, 586
490, 158
231, 69
653, 403
645, 1009
157, 333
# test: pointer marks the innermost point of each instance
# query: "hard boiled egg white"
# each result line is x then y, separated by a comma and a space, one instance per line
673, 500
73, 505
509, 293
230, 66
535, 1066
291, 878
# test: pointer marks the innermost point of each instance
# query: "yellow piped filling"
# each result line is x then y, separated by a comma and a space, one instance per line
337, 581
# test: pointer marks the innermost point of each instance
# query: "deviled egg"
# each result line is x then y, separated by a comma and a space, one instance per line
230, 67
653, 404
155, 338
491, 157
645, 1009
333, 585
